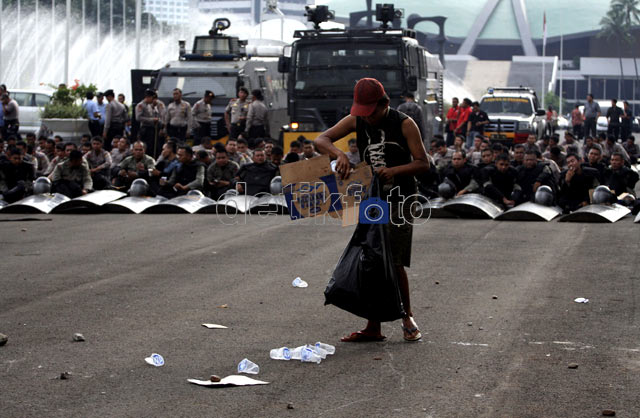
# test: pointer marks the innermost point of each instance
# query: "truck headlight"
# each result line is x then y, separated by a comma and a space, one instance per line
524, 126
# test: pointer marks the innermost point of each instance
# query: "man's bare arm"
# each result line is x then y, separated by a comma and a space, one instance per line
324, 143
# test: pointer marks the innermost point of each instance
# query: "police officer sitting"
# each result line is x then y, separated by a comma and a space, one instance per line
71, 177
135, 166
461, 173
257, 175
188, 175
575, 183
16, 176
500, 181
167, 162
594, 160
531, 175
618, 177
221, 174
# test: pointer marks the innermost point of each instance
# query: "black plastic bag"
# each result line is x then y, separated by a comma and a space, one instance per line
364, 281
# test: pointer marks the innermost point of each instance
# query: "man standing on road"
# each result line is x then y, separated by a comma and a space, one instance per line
577, 120
627, 122
202, 117
148, 120
235, 114
178, 118
613, 118
391, 143
10, 112
410, 108
452, 120
591, 114
478, 120
115, 118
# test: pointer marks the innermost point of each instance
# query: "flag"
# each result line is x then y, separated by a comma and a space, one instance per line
544, 29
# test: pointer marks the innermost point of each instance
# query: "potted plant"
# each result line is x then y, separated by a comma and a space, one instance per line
65, 115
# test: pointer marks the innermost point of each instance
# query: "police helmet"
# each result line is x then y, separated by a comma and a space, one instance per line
195, 193
602, 194
446, 189
139, 188
230, 193
544, 196
42, 185
276, 185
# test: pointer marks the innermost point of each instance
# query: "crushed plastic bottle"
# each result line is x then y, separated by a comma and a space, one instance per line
326, 347
155, 360
298, 282
309, 356
282, 353
247, 366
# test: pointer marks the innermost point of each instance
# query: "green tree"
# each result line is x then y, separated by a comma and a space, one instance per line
631, 11
615, 30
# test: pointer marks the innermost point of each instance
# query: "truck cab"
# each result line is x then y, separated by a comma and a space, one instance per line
221, 63
514, 113
323, 66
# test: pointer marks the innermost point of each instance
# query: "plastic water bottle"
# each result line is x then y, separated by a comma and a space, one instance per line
282, 353
247, 366
319, 351
326, 347
309, 356
296, 353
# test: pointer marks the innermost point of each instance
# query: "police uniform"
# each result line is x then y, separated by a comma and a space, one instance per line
238, 110
190, 175
115, 118
70, 181
218, 173
257, 177
11, 123
575, 192
178, 119
202, 118
131, 164
148, 120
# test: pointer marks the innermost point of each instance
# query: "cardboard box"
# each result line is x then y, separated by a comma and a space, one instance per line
311, 188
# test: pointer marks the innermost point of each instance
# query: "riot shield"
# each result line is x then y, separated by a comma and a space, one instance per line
597, 213
133, 204
89, 202
39, 203
474, 206
530, 211
181, 204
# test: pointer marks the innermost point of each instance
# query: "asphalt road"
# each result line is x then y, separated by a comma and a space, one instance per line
133, 285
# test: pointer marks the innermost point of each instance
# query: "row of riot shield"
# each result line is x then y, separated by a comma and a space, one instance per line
477, 206
112, 201
470, 206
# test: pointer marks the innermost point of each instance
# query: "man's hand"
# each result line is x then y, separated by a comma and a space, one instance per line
140, 166
508, 202
342, 165
155, 172
461, 192
180, 187
104, 135
93, 170
583, 204
84, 191
222, 183
569, 175
385, 173
122, 173
239, 188
132, 174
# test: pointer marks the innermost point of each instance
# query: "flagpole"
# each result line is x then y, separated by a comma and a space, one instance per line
561, 58
544, 52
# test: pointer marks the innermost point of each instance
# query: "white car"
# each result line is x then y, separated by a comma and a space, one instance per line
31, 103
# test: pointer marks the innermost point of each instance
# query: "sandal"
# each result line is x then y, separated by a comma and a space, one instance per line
413, 333
361, 337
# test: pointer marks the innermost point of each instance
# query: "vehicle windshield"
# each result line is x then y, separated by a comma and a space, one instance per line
512, 105
195, 86
335, 68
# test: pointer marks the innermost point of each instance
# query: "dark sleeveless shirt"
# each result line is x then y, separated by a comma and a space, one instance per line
386, 146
